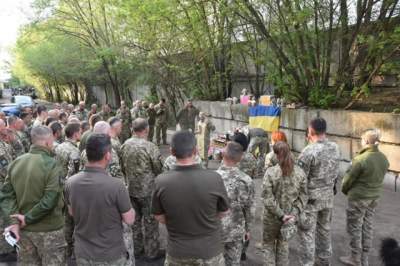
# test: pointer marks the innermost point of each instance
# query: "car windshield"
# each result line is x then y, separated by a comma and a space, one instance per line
23, 99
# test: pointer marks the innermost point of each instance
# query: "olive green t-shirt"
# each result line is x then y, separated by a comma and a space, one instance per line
97, 201
191, 198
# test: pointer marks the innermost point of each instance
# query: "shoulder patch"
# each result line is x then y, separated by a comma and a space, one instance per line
3, 162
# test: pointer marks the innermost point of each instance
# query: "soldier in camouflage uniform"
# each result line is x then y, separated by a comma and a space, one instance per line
67, 153
32, 194
363, 186
284, 195
138, 111
81, 112
25, 133
5, 160
105, 113
320, 162
161, 121
93, 110
187, 117
15, 124
141, 163
248, 164
240, 188
124, 114
114, 169
151, 115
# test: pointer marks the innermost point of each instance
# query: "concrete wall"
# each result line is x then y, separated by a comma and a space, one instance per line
344, 127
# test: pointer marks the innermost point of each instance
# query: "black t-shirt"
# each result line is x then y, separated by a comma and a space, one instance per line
191, 197
97, 201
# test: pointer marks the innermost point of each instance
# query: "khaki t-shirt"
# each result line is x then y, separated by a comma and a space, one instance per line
191, 197
97, 201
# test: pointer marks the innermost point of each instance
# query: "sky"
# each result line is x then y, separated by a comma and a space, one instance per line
13, 14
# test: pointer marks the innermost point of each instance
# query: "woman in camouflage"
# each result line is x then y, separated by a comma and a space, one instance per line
284, 196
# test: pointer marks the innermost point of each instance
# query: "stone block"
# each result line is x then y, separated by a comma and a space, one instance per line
240, 112
392, 152
299, 141
345, 146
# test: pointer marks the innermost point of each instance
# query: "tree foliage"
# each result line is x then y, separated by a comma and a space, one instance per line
315, 52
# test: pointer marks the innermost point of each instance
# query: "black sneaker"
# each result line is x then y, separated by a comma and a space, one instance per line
160, 255
8, 257
243, 257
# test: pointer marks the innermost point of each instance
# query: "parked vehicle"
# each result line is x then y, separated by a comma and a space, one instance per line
16, 104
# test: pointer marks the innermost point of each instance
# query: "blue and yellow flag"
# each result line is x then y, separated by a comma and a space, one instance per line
265, 117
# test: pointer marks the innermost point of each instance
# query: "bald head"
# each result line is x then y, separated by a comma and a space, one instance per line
102, 127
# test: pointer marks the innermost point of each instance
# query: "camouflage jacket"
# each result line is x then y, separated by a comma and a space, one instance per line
320, 162
67, 153
125, 117
141, 163
284, 194
5, 160
248, 164
137, 112
240, 189
105, 116
25, 139
17, 146
151, 114
82, 115
270, 160
113, 168
186, 117
161, 115
170, 162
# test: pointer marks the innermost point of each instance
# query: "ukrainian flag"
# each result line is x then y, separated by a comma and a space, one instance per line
265, 117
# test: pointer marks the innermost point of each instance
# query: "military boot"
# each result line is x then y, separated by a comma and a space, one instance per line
352, 260
364, 259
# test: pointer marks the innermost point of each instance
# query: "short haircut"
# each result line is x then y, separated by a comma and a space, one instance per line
71, 128
84, 125
55, 127
11, 120
113, 120
40, 109
183, 144
49, 120
23, 115
40, 133
318, 125
62, 115
371, 136
139, 124
241, 138
233, 151
163, 100
102, 127
94, 119
97, 146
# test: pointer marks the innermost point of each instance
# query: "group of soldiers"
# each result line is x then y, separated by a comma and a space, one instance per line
136, 160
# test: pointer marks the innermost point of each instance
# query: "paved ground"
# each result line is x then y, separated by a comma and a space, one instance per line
387, 224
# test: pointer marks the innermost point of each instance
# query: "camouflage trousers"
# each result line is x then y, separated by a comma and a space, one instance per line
4, 246
233, 253
215, 261
145, 229
316, 248
42, 248
161, 129
360, 215
275, 250
151, 133
86, 262
69, 233
128, 240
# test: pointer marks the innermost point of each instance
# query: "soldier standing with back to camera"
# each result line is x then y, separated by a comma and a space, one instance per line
161, 122
141, 163
320, 162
